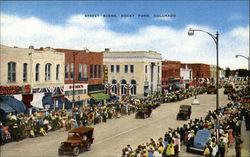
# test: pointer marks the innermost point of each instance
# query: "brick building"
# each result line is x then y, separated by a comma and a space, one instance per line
170, 71
88, 75
199, 70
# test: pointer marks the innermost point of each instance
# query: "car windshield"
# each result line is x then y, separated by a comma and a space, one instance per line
73, 135
184, 109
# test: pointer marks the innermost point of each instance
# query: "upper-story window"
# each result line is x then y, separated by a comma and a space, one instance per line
37, 72
67, 71
131, 68
126, 68
25, 72
72, 71
57, 71
112, 68
99, 71
91, 71
12, 72
117, 68
146, 68
95, 71
48, 72
85, 71
80, 71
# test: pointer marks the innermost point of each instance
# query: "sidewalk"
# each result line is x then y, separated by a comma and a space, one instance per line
245, 136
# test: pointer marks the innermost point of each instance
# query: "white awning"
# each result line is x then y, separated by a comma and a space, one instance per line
18, 97
37, 100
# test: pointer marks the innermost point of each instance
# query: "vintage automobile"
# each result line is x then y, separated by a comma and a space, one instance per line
143, 111
229, 89
211, 89
79, 139
184, 112
198, 144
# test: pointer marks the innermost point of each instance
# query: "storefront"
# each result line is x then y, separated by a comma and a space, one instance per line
77, 96
8, 101
49, 98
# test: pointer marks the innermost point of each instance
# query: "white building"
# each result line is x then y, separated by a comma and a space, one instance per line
137, 73
42, 70
186, 74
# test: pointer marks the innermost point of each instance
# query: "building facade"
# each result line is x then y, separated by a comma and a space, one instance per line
136, 73
170, 71
83, 75
199, 70
40, 69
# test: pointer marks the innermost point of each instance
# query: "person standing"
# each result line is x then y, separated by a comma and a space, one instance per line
222, 147
238, 145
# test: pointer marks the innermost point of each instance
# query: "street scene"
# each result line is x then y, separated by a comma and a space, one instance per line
124, 79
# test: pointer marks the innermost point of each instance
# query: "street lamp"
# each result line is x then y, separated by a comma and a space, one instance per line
248, 58
74, 66
216, 40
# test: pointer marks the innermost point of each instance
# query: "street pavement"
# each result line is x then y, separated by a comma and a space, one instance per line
111, 137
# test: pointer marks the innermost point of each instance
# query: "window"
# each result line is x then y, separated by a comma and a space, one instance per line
112, 68
80, 71
146, 68
85, 71
72, 71
133, 89
99, 71
123, 88
91, 71
117, 68
57, 71
67, 71
12, 72
25, 71
131, 68
48, 72
158, 69
126, 68
37, 72
114, 88
95, 71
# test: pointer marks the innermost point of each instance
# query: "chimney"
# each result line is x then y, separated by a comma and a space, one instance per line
31, 47
107, 49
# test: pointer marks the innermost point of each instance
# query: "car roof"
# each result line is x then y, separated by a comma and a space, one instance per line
187, 106
81, 130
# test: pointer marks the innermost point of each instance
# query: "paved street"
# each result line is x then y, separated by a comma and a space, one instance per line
114, 135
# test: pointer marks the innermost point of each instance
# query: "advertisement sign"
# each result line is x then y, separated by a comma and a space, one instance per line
12, 90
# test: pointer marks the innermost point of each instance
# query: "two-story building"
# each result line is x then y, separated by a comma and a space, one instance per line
40, 70
83, 76
136, 73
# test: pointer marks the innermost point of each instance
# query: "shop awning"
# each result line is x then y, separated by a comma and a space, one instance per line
13, 103
5, 107
99, 96
37, 100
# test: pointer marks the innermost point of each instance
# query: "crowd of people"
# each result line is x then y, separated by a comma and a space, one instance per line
229, 132
21, 126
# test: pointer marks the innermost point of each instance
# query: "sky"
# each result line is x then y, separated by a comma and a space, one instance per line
160, 26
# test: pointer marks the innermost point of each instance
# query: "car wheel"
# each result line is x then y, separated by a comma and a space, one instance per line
76, 151
88, 146
60, 152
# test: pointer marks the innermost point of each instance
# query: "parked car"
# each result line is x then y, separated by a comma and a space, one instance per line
211, 89
79, 139
184, 112
199, 142
143, 111
229, 89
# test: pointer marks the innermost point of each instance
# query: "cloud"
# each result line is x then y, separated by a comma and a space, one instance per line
94, 33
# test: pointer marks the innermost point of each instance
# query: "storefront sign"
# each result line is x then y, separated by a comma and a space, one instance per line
10, 90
